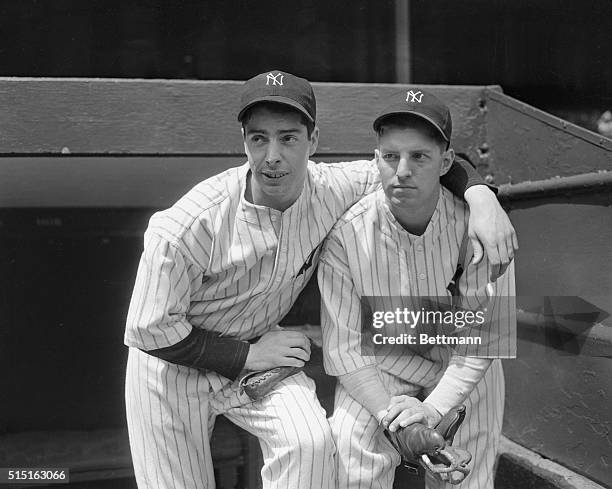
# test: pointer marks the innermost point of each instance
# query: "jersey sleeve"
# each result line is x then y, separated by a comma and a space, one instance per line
461, 176
350, 181
460, 378
206, 350
367, 388
161, 297
495, 322
343, 351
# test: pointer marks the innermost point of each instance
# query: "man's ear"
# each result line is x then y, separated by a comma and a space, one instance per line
377, 158
314, 141
447, 161
246, 149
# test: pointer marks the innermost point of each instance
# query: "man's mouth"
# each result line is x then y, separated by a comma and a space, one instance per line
275, 175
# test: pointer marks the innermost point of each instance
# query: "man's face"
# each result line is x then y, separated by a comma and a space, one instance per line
278, 147
410, 165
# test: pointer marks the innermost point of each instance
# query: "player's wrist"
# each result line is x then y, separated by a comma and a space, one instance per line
381, 415
479, 194
434, 416
252, 360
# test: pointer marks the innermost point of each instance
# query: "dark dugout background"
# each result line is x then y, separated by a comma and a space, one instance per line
550, 53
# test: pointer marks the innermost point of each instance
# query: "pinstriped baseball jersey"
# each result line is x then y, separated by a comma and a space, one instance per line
216, 261
368, 253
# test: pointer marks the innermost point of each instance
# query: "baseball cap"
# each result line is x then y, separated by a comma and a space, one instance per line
422, 104
279, 87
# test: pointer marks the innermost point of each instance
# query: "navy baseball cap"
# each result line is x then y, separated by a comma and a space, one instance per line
422, 104
279, 87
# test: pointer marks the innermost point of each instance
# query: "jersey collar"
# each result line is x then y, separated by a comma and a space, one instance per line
250, 212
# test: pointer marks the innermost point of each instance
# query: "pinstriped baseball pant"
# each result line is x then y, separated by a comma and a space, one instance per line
366, 460
171, 412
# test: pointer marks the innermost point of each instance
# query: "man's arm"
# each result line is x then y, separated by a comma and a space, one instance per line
498, 334
206, 350
469, 364
461, 176
342, 346
496, 327
341, 328
157, 322
489, 226
460, 377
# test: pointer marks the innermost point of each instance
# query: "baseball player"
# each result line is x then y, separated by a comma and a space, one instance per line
406, 240
220, 269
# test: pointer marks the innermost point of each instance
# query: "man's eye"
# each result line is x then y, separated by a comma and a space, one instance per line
419, 156
390, 156
289, 139
257, 139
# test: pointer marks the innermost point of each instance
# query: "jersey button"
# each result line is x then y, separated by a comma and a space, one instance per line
422, 276
419, 247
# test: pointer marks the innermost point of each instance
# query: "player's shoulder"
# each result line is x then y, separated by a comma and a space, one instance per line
339, 173
196, 212
364, 213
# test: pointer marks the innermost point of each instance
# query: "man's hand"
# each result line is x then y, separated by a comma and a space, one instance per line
278, 349
313, 332
490, 227
406, 410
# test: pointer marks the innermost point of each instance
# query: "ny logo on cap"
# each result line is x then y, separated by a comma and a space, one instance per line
414, 96
275, 79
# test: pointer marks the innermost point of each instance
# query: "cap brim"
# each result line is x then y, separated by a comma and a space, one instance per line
379, 119
278, 100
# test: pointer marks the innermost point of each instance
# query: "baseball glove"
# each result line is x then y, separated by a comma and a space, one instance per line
431, 448
258, 384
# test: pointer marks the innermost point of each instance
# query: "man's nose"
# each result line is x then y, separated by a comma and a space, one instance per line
273, 153
404, 170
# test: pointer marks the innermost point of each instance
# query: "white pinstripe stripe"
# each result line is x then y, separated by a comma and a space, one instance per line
369, 254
